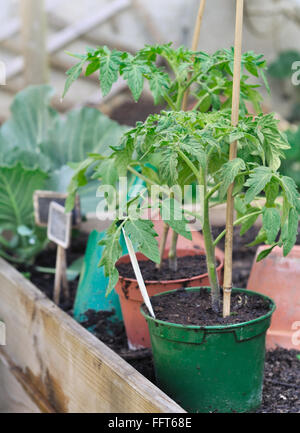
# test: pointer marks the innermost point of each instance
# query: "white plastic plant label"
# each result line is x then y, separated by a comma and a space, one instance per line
138, 273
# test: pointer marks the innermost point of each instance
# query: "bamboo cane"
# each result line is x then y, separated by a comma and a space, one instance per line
195, 44
232, 154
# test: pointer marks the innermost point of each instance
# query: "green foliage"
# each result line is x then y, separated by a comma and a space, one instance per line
17, 185
229, 171
172, 214
36, 144
208, 76
185, 144
181, 148
257, 181
291, 164
111, 254
142, 235
271, 223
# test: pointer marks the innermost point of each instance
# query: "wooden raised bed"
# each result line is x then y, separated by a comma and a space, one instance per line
52, 364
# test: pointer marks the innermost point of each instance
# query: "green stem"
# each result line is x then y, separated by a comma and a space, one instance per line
163, 244
140, 175
192, 80
236, 223
170, 102
190, 165
204, 97
213, 190
210, 251
179, 99
172, 252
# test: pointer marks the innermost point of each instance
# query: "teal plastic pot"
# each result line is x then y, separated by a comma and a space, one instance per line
211, 368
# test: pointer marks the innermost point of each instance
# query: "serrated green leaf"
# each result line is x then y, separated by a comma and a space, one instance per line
264, 253
109, 69
290, 191
290, 231
257, 182
250, 221
239, 183
134, 72
228, 173
271, 223
240, 206
172, 214
92, 67
194, 148
159, 84
260, 238
143, 237
168, 166
73, 74
111, 254
123, 156
107, 172
272, 192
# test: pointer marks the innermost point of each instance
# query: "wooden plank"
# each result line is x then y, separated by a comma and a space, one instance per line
17, 395
71, 33
64, 366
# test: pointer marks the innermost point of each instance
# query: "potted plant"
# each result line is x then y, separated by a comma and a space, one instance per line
218, 361
209, 80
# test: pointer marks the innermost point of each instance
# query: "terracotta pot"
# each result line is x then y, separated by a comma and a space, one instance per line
131, 299
279, 277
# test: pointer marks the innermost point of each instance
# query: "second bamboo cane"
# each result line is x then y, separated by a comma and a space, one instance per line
232, 154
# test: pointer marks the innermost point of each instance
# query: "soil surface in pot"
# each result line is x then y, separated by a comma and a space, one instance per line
282, 369
188, 266
187, 307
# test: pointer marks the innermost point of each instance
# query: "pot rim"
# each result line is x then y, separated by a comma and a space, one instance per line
181, 280
213, 327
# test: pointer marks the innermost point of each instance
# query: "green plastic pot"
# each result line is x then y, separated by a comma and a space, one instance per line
211, 368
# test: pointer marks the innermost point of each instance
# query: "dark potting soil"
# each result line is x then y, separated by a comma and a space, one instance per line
281, 392
188, 266
194, 308
47, 258
282, 368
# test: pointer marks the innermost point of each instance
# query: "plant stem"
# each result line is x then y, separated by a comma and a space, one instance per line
208, 240
170, 102
163, 245
204, 97
213, 190
236, 223
172, 252
210, 250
